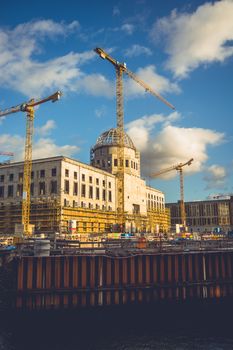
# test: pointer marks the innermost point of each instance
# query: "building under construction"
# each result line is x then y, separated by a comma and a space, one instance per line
68, 196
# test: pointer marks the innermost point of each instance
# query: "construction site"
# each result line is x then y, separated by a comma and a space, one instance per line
64, 216
62, 195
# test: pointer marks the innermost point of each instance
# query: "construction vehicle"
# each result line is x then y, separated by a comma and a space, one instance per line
120, 70
179, 168
28, 107
9, 154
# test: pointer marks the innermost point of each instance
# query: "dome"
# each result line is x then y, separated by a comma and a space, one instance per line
110, 138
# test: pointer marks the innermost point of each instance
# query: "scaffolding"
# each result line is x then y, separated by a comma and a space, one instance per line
49, 216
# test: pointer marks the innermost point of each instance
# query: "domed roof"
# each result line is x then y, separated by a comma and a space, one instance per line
110, 138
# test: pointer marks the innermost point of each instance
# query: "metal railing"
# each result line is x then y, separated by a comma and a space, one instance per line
121, 247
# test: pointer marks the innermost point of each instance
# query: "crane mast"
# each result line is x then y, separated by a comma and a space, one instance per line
120, 70
179, 168
28, 107
26, 200
120, 148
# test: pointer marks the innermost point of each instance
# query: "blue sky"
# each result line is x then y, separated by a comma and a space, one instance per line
182, 49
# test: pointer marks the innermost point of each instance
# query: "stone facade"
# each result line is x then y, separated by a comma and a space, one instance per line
63, 189
205, 216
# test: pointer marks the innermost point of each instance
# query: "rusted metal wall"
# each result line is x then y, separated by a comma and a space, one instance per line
80, 281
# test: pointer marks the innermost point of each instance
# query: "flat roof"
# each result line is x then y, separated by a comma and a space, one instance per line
59, 158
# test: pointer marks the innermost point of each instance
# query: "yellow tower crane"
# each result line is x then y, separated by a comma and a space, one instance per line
178, 167
120, 69
28, 107
9, 154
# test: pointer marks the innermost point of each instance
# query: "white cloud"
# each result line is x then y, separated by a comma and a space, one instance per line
45, 27
46, 128
42, 148
169, 144
215, 176
116, 11
96, 85
45, 147
149, 75
139, 129
101, 111
12, 143
137, 50
201, 37
20, 71
128, 28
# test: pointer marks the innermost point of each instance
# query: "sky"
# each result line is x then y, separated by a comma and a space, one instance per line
182, 49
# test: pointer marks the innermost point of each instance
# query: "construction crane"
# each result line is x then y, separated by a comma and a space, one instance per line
179, 168
28, 107
120, 69
9, 154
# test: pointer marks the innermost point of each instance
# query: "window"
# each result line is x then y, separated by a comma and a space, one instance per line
11, 177
32, 189
103, 163
127, 163
42, 173
10, 191
54, 172
97, 193
90, 191
41, 188
53, 187
66, 172
103, 183
19, 192
66, 186
83, 190
104, 195
2, 178
109, 184
32, 175
110, 196
75, 175
75, 189
1, 191
97, 181
83, 177
115, 162
90, 179
136, 209
20, 177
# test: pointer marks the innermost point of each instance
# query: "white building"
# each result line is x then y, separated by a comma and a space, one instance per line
64, 189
